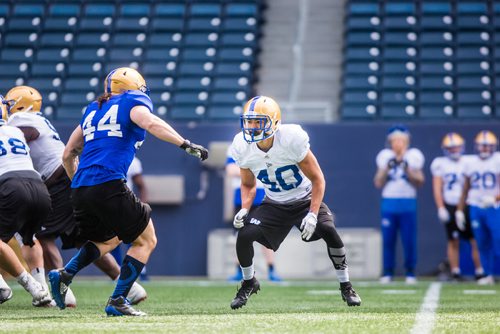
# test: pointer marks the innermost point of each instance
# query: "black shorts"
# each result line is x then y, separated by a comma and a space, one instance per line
107, 210
60, 221
276, 220
24, 204
452, 230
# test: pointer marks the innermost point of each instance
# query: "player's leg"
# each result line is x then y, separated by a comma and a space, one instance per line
325, 229
12, 265
389, 230
52, 258
484, 242
408, 226
468, 235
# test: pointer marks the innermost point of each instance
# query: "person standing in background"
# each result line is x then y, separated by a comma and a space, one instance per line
233, 171
447, 184
399, 174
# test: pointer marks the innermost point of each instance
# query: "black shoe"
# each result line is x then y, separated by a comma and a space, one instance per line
457, 278
120, 306
248, 288
349, 295
479, 276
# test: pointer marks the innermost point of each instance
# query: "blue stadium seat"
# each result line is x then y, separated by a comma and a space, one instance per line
100, 9
169, 10
473, 38
435, 23
363, 38
84, 69
8, 81
161, 54
26, 24
212, 9
238, 97
399, 8
397, 111
193, 83
60, 24
231, 83
224, 112
435, 8
25, 39
135, 9
240, 24
29, 10
196, 68
129, 39
96, 24
361, 67
358, 82
170, 24
199, 54
357, 96
57, 39
434, 53
14, 69
136, 24
436, 97
126, 54
435, 111
407, 68
46, 84
437, 68
469, 67
363, 8
472, 111
429, 82
64, 9
400, 53
21, 54
92, 39
470, 7
87, 54
50, 54
48, 69
236, 54
400, 38
397, 96
82, 84
398, 82
406, 23
165, 39
159, 69
233, 69
185, 112
204, 24
358, 111
201, 39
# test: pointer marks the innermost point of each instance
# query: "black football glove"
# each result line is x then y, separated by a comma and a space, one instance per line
195, 150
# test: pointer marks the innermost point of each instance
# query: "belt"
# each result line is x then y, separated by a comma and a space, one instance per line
56, 176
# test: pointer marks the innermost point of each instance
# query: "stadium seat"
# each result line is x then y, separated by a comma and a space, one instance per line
68, 9
49, 54
99, 9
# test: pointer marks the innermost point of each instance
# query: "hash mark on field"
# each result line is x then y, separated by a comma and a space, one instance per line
424, 321
479, 292
399, 292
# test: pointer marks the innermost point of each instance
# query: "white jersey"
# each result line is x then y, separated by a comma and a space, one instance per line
452, 173
47, 149
14, 152
484, 177
397, 185
236, 181
134, 169
277, 168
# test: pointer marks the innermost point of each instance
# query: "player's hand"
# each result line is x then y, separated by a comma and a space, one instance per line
487, 201
460, 220
403, 164
239, 219
195, 150
443, 215
308, 225
393, 163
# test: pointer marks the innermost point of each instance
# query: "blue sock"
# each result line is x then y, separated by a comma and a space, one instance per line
130, 270
85, 256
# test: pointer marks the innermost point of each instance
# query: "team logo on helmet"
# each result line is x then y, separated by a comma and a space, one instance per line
453, 145
124, 78
486, 144
261, 119
23, 99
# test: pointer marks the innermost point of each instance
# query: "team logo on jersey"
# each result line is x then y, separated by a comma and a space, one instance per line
255, 221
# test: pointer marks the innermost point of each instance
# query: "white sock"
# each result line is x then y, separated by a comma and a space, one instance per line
39, 275
480, 271
455, 271
248, 272
28, 282
342, 275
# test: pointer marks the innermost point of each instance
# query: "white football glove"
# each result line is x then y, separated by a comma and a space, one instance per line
443, 215
308, 225
460, 220
487, 201
239, 219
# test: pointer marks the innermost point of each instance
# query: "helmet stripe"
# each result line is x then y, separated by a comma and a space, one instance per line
252, 104
108, 79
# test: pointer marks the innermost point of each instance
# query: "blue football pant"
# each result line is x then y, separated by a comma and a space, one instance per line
486, 228
406, 223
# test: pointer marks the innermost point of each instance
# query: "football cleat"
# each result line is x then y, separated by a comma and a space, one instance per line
5, 294
487, 280
59, 284
349, 295
121, 306
248, 288
385, 279
41, 298
410, 280
273, 277
261, 118
137, 294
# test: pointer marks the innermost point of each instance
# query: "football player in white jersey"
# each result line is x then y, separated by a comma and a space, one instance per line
399, 174
481, 193
24, 202
46, 149
279, 156
447, 183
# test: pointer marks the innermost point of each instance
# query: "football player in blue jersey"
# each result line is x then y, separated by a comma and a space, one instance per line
96, 158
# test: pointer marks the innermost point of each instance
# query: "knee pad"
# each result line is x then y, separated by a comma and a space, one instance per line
338, 257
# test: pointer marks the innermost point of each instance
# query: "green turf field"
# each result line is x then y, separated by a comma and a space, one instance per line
296, 307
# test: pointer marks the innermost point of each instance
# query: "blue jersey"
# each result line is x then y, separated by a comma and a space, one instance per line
110, 139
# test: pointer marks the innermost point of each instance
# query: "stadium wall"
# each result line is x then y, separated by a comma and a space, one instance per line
346, 152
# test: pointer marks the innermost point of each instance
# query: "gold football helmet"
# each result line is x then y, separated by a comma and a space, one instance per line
23, 98
261, 118
486, 144
3, 108
123, 79
453, 145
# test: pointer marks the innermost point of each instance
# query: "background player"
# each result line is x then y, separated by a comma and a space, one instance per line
481, 193
447, 183
279, 156
111, 130
24, 203
399, 173
46, 149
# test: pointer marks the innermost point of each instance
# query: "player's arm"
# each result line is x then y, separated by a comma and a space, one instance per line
71, 152
310, 167
248, 188
232, 170
463, 196
437, 189
141, 116
30, 133
380, 178
415, 176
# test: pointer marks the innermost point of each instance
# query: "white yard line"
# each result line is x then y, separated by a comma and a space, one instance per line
424, 321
